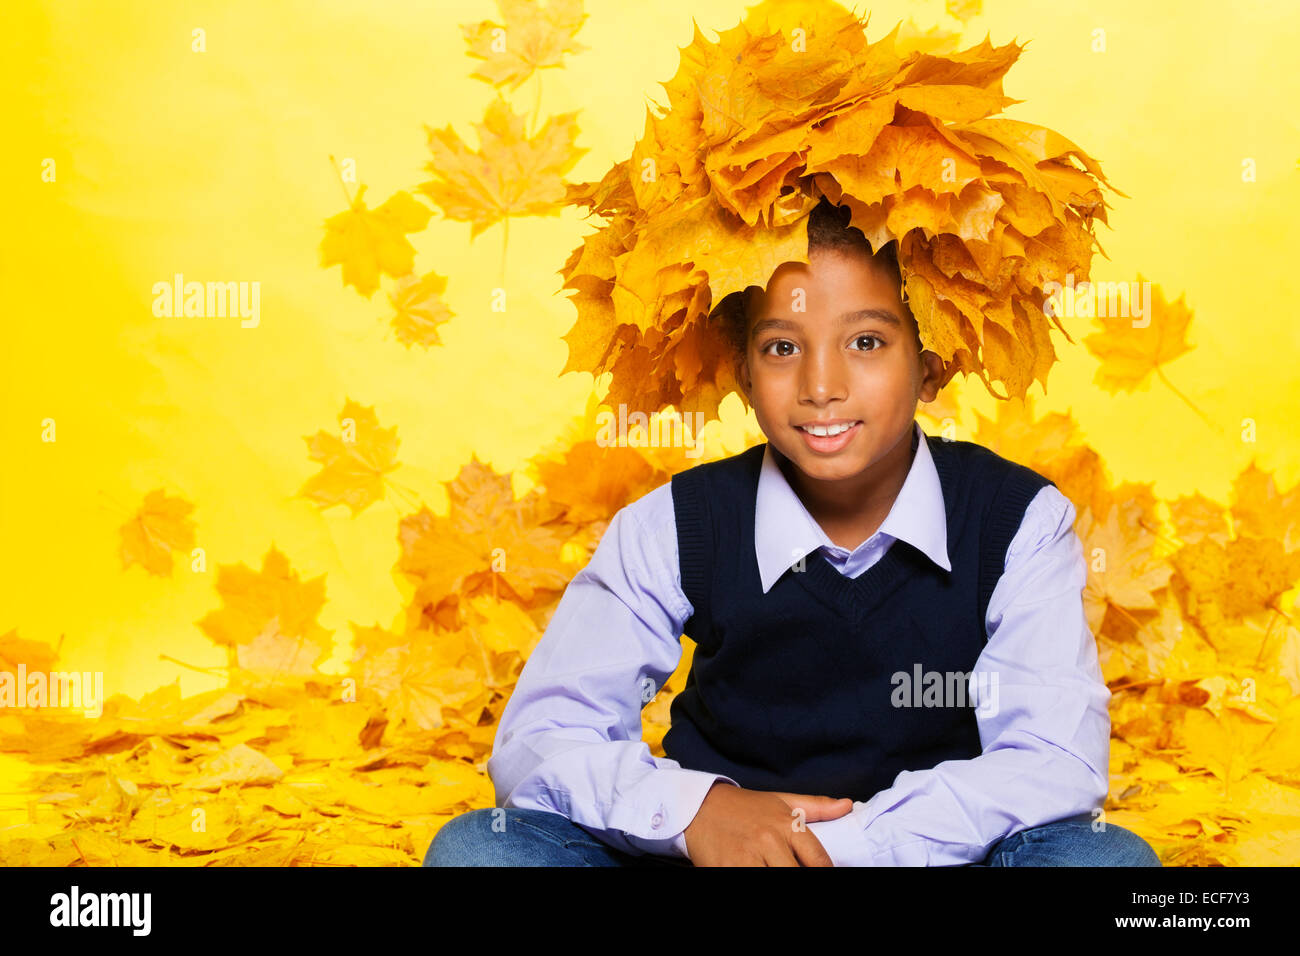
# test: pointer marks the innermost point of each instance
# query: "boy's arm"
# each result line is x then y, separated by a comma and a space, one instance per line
1046, 745
569, 741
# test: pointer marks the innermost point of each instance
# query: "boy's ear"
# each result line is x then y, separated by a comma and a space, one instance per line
937, 375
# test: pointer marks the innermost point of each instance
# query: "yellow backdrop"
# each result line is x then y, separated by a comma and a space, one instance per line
133, 156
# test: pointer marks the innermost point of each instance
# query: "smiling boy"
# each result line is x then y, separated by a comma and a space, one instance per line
811, 571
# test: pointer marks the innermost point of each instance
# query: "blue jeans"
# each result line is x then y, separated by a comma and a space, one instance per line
539, 838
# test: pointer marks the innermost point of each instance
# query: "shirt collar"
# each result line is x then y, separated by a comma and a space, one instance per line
784, 531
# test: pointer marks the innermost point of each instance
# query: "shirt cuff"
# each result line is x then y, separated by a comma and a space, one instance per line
670, 803
844, 839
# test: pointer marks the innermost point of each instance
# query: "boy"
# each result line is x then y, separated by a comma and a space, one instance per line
893, 665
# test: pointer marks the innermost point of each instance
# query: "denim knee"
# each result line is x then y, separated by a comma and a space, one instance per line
496, 836
460, 841
1074, 842
1128, 849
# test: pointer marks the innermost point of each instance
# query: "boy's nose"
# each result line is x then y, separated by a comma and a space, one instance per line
822, 377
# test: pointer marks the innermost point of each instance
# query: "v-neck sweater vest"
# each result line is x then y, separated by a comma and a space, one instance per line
812, 687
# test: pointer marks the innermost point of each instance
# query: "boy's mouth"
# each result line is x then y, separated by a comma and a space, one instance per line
835, 434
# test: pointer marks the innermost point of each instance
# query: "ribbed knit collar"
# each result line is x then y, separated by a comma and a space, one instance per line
784, 530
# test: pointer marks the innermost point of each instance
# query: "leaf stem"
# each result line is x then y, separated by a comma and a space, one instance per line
194, 667
505, 242
1190, 404
342, 184
537, 104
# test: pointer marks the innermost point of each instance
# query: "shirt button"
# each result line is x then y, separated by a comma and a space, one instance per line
657, 820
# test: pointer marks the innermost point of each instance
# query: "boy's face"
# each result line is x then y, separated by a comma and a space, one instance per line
820, 347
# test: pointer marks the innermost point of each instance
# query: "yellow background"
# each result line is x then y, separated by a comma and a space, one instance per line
216, 165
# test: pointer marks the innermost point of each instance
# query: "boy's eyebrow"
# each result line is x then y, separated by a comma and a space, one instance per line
884, 315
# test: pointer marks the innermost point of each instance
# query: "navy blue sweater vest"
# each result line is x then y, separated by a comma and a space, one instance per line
795, 689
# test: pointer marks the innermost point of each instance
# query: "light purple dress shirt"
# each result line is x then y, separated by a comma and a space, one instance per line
569, 741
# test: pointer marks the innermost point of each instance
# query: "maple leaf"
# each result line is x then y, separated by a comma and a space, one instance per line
935, 39
159, 527
1130, 354
519, 544
533, 37
510, 174
1016, 434
272, 607
1196, 516
1228, 581
593, 482
416, 683
33, 655
1122, 572
419, 308
240, 765
354, 465
964, 10
1261, 510
367, 242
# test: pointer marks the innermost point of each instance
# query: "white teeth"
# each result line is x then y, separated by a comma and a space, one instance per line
825, 431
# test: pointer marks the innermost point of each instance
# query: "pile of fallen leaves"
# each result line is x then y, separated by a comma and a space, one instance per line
286, 765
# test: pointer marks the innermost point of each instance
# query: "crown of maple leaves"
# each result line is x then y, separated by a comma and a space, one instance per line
794, 104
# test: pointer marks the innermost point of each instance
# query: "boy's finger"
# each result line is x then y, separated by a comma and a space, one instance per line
817, 807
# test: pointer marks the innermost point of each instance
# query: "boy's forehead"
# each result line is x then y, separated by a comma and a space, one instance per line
829, 272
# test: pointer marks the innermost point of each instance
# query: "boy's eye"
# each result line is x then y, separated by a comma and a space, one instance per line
776, 343
875, 337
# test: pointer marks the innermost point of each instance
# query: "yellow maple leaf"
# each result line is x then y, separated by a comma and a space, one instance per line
367, 242
355, 463
1261, 510
1231, 580
241, 765
272, 604
1122, 574
1130, 352
1196, 516
34, 655
533, 37
159, 527
510, 174
419, 309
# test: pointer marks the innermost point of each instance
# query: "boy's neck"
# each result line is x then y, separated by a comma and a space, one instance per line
851, 510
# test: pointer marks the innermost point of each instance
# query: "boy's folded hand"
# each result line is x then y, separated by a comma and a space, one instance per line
739, 827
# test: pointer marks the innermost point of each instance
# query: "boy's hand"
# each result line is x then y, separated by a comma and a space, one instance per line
739, 827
